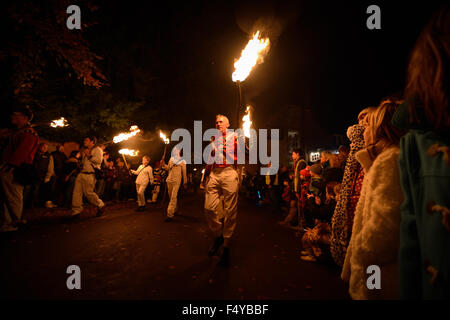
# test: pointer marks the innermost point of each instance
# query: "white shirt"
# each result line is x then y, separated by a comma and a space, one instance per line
177, 170
144, 174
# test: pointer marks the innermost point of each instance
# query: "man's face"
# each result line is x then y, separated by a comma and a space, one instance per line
145, 161
43, 148
294, 156
18, 119
87, 142
222, 124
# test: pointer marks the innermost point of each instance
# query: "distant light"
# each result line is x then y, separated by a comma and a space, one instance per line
195, 169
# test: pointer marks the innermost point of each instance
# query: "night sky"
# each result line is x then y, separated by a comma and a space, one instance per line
178, 56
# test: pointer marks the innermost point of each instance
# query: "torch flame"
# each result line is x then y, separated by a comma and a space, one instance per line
61, 122
134, 130
163, 136
247, 122
253, 53
128, 152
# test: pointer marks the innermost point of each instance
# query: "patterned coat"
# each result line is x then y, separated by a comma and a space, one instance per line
340, 223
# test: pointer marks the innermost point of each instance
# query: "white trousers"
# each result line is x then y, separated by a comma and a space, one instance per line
84, 186
172, 189
222, 189
12, 197
140, 190
155, 193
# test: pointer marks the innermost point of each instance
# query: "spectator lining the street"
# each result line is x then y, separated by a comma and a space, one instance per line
425, 166
299, 164
15, 168
333, 172
342, 221
316, 240
70, 173
376, 227
57, 183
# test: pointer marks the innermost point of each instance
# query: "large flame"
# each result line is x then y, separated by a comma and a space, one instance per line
247, 122
61, 122
253, 53
134, 130
163, 136
128, 152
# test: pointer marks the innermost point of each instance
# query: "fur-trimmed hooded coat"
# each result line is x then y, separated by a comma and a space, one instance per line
376, 228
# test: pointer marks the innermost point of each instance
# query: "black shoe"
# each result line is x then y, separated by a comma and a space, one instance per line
225, 257
216, 246
100, 211
168, 219
140, 209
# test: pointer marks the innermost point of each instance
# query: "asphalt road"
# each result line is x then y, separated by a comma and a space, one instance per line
135, 255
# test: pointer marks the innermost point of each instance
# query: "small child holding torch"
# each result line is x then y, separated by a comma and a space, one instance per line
144, 176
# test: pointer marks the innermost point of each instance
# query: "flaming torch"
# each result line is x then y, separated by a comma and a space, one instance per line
131, 153
166, 142
247, 122
253, 53
61, 122
134, 130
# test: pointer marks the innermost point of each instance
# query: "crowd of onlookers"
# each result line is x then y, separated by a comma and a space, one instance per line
380, 209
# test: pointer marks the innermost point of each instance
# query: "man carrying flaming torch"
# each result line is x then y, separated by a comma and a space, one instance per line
222, 177
177, 172
91, 160
221, 184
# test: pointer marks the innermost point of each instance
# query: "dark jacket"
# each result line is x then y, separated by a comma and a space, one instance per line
424, 255
59, 158
40, 165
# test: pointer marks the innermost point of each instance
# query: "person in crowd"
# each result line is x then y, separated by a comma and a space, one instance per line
16, 162
70, 173
91, 159
144, 177
273, 190
376, 227
122, 181
159, 175
101, 182
286, 195
334, 170
325, 159
177, 173
40, 187
425, 166
110, 177
317, 184
59, 158
344, 151
283, 173
316, 240
342, 221
299, 164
